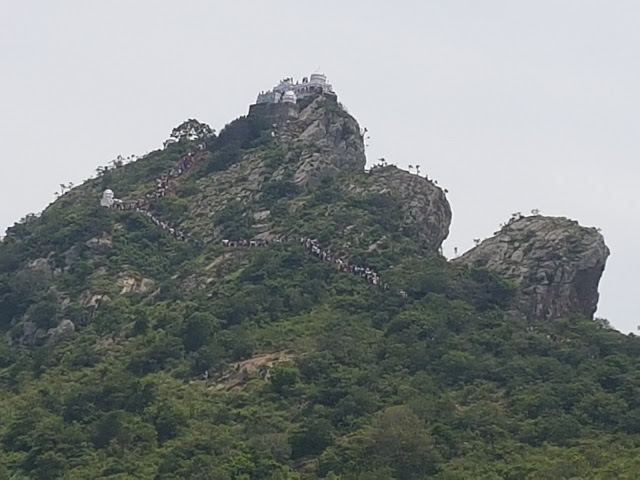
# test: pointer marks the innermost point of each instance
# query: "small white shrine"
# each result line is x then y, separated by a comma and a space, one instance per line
289, 91
108, 199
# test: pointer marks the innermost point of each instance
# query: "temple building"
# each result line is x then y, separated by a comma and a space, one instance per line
280, 104
289, 91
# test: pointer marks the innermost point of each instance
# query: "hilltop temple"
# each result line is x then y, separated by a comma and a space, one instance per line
288, 91
280, 104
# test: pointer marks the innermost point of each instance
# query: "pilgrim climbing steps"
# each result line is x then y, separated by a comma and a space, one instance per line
167, 181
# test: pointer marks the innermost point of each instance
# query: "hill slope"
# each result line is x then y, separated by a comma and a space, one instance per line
260, 307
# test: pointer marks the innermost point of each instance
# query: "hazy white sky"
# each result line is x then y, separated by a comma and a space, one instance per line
511, 105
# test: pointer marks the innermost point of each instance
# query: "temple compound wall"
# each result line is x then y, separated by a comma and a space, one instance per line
275, 113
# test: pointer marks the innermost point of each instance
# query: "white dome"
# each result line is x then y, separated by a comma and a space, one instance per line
318, 78
289, 97
108, 191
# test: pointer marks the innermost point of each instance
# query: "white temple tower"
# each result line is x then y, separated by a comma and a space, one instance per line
318, 78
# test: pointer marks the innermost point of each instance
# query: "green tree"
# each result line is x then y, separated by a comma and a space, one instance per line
284, 377
198, 330
402, 441
311, 438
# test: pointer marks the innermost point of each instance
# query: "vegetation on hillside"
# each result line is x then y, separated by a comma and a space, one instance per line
443, 381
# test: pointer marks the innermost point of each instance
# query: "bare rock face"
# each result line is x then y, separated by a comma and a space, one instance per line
425, 205
324, 141
556, 263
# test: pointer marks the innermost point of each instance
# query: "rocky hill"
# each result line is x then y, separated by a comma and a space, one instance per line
254, 304
323, 143
556, 264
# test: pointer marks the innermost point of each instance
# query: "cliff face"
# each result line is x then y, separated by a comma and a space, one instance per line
556, 263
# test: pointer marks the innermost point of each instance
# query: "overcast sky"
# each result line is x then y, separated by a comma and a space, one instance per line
511, 105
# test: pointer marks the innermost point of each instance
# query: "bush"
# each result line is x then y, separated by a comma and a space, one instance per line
172, 207
198, 331
235, 221
278, 189
284, 377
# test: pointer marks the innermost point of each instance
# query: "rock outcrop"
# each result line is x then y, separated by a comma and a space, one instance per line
28, 337
324, 141
104, 241
424, 204
238, 374
556, 263
61, 333
131, 284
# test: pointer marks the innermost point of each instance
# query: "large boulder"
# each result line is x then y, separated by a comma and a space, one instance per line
556, 263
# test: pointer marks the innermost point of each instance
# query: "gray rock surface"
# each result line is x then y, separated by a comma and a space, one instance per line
29, 330
425, 205
323, 142
556, 263
105, 241
62, 332
36, 276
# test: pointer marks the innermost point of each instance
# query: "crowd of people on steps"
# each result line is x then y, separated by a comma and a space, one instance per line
345, 266
163, 183
313, 247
